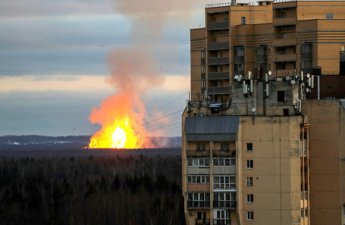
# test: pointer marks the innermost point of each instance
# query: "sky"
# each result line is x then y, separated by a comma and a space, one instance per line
54, 60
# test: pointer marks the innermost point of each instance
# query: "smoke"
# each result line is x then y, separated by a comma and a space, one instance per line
135, 70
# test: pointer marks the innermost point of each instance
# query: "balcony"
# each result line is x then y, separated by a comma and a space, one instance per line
261, 58
198, 204
239, 59
284, 21
222, 153
218, 76
285, 72
218, 46
218, 90
195, 153
221, 222
215, 61
306, 56
291, 57
224, 204
202, 221
223, 25
284, 42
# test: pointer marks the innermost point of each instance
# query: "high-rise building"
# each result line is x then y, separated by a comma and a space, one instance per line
264, 129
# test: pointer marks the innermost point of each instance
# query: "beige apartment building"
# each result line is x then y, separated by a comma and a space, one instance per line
263, 131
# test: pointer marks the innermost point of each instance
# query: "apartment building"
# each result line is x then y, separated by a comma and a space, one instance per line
263, 131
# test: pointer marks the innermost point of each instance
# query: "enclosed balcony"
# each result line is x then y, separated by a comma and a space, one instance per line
222, 25
198, 204
218, 76
218, 46
218, 90
224, 204
216, 61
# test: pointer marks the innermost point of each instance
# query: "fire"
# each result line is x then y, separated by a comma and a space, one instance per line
120, 134
121, 119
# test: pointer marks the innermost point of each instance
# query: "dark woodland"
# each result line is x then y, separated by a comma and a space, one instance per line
87, 187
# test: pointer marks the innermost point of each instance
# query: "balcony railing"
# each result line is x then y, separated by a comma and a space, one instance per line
221, 222
224, 204
198, 204
218, 76
218, 45
214, 61
220, 153
285, 72
195, 153
202, 222
218, 90
286, 57
284, 21
284, 42
223, 25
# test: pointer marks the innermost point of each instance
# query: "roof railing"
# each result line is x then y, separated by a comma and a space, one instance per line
219, 5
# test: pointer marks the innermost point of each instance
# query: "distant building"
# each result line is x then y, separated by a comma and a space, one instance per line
264, 130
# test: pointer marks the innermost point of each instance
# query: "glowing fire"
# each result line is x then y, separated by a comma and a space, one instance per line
121, 118
118, 135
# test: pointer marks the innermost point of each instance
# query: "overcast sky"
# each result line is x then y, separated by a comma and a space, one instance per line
53, 59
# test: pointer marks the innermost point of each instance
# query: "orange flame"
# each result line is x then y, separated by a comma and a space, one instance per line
121, 118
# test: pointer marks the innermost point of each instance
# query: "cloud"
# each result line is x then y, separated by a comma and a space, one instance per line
79, 83
43, 8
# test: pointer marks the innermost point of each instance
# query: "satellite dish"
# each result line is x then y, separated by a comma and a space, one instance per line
253, 109
308, 75
293, 82
236, 77
288, 78
270, 73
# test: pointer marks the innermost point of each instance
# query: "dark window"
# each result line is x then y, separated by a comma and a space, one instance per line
249, 181
280, 96
250, 164
286, 112
249, 146
250, 215
329, 16
225, 147
250, 198
243, 20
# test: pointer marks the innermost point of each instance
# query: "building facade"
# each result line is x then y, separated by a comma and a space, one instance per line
263, 129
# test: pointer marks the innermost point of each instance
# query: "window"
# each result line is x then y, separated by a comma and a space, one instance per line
200, 146
199, 162
221, 216
286, 112
198, 179
224, 200
224, 182
243, 20
198, 200
329, 16
280, 96
249, 146
224, 162
250, 164
250, 215
249, 181
225, 147
250, 198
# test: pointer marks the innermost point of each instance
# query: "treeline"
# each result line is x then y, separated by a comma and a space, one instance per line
118, 190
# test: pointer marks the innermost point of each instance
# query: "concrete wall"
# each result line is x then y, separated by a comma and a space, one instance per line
276, 171
327, 165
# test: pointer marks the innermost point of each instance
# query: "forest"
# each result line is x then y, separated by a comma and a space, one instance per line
91, 189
